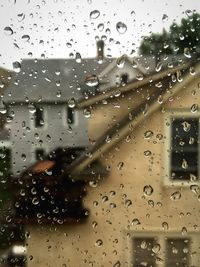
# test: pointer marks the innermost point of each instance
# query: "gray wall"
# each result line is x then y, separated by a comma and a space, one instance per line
25, 138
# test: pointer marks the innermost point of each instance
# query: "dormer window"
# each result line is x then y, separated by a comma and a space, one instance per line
124, 79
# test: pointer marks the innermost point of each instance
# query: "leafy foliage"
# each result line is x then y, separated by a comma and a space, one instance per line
183, 38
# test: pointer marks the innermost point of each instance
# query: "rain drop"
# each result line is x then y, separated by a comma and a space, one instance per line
94, 14
100, 27
8, 30
164, 18
26, 37
99, 243
87, 113
194, 108
91, 80
175, 196
121, 27
135, 222
148, 190
16, 66
71, 103
78, 57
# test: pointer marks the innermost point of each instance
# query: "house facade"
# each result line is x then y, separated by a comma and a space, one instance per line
39, 105
146, 213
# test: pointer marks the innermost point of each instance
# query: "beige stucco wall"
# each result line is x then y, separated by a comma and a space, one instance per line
119, 199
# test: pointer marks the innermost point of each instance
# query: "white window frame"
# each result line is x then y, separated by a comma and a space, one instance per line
161, 238
169, 115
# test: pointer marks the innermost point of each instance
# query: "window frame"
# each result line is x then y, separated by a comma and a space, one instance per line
161, 238
177, 114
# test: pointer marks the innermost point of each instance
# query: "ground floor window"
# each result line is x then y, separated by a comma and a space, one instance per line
157, 251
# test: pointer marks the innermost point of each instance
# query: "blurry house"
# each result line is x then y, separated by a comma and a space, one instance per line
147, 134
147, 212
39, 104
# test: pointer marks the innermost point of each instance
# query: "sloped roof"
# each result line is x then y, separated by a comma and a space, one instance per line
136, 115
51, 79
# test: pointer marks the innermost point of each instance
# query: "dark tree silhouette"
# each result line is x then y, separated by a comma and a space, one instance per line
183, 38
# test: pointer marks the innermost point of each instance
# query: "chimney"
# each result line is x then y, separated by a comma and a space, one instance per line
100, 51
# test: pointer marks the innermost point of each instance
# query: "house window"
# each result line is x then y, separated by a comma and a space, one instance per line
143, 254
70, 116
5, 161
177, 252
174, 250
184, 148
39, 117
39, 154
124, 79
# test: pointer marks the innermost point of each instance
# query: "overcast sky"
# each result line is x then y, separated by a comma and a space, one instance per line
56, 28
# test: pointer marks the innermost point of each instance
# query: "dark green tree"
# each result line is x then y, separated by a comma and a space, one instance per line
181, 38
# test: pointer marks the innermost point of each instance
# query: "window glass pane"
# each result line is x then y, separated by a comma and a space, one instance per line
178, 251
39, 117
184, 148
70, 115
143, 254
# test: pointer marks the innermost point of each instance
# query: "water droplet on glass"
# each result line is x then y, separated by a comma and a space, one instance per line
184, 164
16, 66
143, 244
91, 80
99, 243
108, 139
158, 66
194, 108
78, 57
20, 16
2, 84
87, 113
58, 94
94, 224
148, 134
120, 61
186, 126
135, 222
151, 203
8, 30
187, 52
165, 226
156, 248
120, 165
71, 103
148, 190
35, 201
94, 14
3, 109
147, 153
100, 27
32, 108
195, 189
23, 157
175, 196
121, 27
128, 203
164, 18
26, 37
192, 71
184, 230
